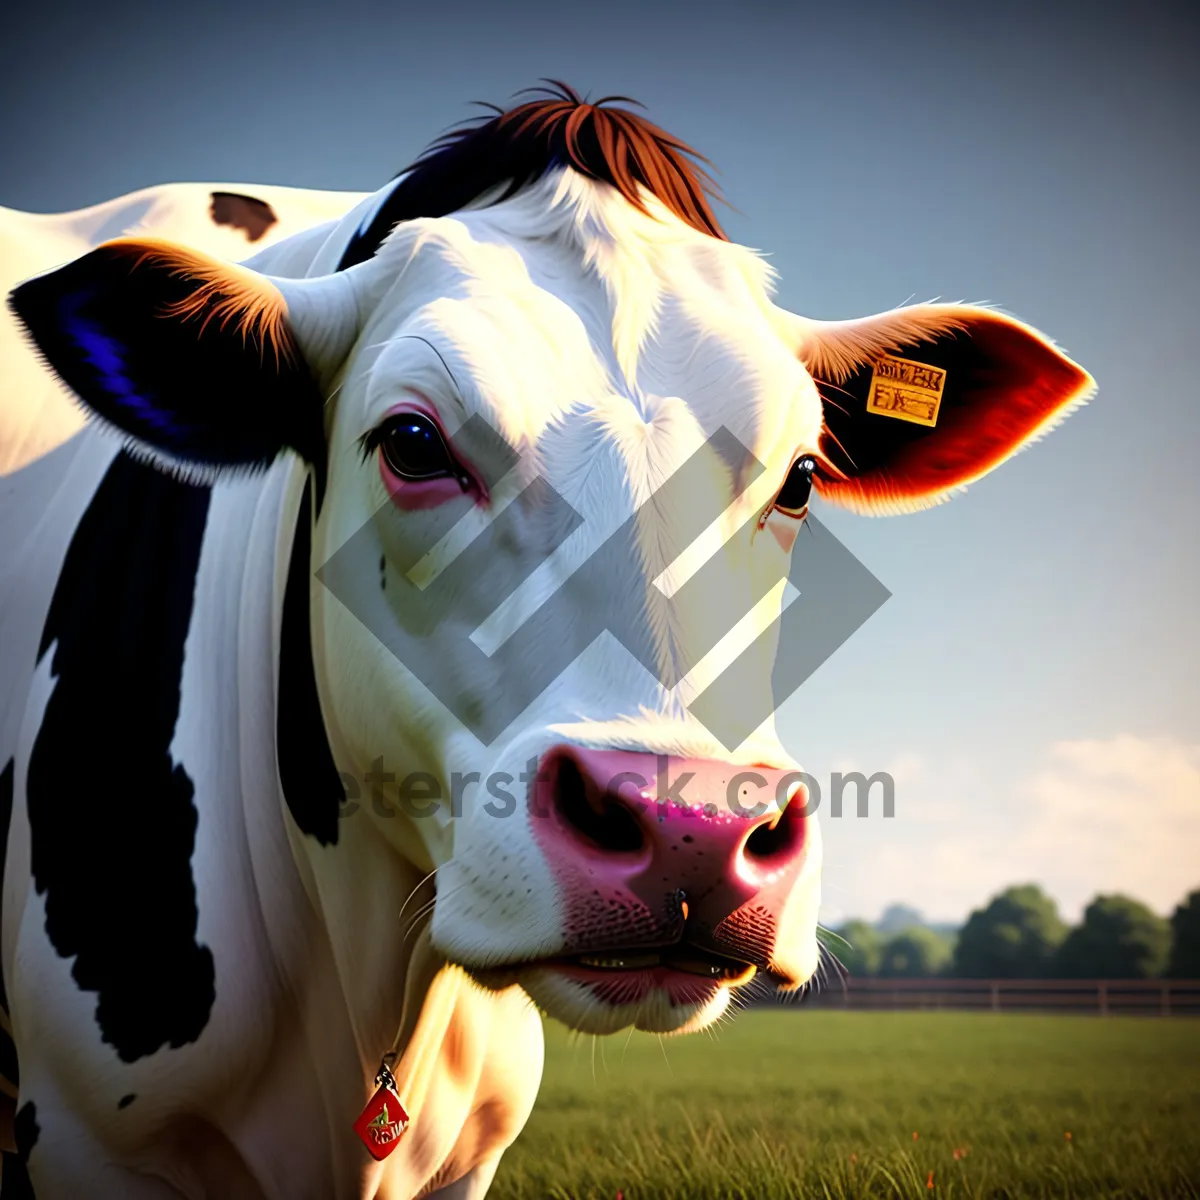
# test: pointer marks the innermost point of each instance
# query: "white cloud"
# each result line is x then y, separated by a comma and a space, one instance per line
1125, 816
1097, 815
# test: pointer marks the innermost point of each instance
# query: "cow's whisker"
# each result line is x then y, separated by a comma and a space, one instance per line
628, 1039
663, 1047
426, 909
408, 900
832, 933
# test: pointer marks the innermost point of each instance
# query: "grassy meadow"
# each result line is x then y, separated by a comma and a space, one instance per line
782, 1104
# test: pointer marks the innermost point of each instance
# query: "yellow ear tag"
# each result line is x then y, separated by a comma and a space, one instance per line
907, 391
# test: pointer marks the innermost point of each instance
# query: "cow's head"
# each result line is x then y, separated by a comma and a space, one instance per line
562, 443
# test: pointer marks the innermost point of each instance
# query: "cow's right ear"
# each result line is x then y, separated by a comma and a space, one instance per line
203, 363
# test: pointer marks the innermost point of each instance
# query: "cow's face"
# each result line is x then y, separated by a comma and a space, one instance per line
565, 449
529, 458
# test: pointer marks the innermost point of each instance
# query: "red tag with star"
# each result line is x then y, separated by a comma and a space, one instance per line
383, 1120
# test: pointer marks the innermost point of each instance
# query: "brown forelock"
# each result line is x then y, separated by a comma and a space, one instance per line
513, 148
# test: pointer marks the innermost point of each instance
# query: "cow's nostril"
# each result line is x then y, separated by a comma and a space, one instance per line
602, 820
776, 841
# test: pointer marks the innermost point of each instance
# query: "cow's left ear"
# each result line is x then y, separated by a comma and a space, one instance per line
198, 360
921, 401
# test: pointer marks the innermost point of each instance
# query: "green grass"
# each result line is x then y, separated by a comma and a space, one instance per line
784, 1104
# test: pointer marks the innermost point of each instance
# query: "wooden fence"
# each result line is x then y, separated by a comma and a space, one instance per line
1144, 997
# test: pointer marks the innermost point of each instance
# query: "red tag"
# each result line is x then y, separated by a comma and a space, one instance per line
382, 1121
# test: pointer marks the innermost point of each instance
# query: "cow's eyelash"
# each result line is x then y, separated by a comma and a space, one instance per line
370, 441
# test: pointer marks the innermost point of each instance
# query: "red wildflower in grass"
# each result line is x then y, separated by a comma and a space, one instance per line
929, 1181
1067, 1135
960, 1152
914, 1135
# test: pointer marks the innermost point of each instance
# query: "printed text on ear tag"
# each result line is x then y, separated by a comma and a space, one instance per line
908, 391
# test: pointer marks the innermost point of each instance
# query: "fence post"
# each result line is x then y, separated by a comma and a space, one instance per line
995, 997
1102, 996
1166, 999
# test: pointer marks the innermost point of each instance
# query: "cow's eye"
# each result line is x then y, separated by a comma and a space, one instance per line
413, 448
793, 497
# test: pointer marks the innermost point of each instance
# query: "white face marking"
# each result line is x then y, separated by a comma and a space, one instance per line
605, 347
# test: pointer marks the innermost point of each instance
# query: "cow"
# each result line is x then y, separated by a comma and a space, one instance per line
283, 832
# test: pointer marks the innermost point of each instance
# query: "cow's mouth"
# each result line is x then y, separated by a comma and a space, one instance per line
686, 959
659, 989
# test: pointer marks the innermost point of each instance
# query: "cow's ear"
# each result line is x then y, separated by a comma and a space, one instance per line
193, 358
921, 401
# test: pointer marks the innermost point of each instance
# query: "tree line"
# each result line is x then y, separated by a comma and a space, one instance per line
1019, 934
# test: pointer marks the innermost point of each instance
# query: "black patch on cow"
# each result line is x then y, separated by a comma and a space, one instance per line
126, 1100
247, 213
25, 1130
9, 1067
112, 819
17, 1184
6, 801
311, 784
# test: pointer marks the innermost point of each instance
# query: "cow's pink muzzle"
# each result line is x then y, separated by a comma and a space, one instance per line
652, 850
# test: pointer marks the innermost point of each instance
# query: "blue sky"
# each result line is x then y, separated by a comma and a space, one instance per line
1032, 682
